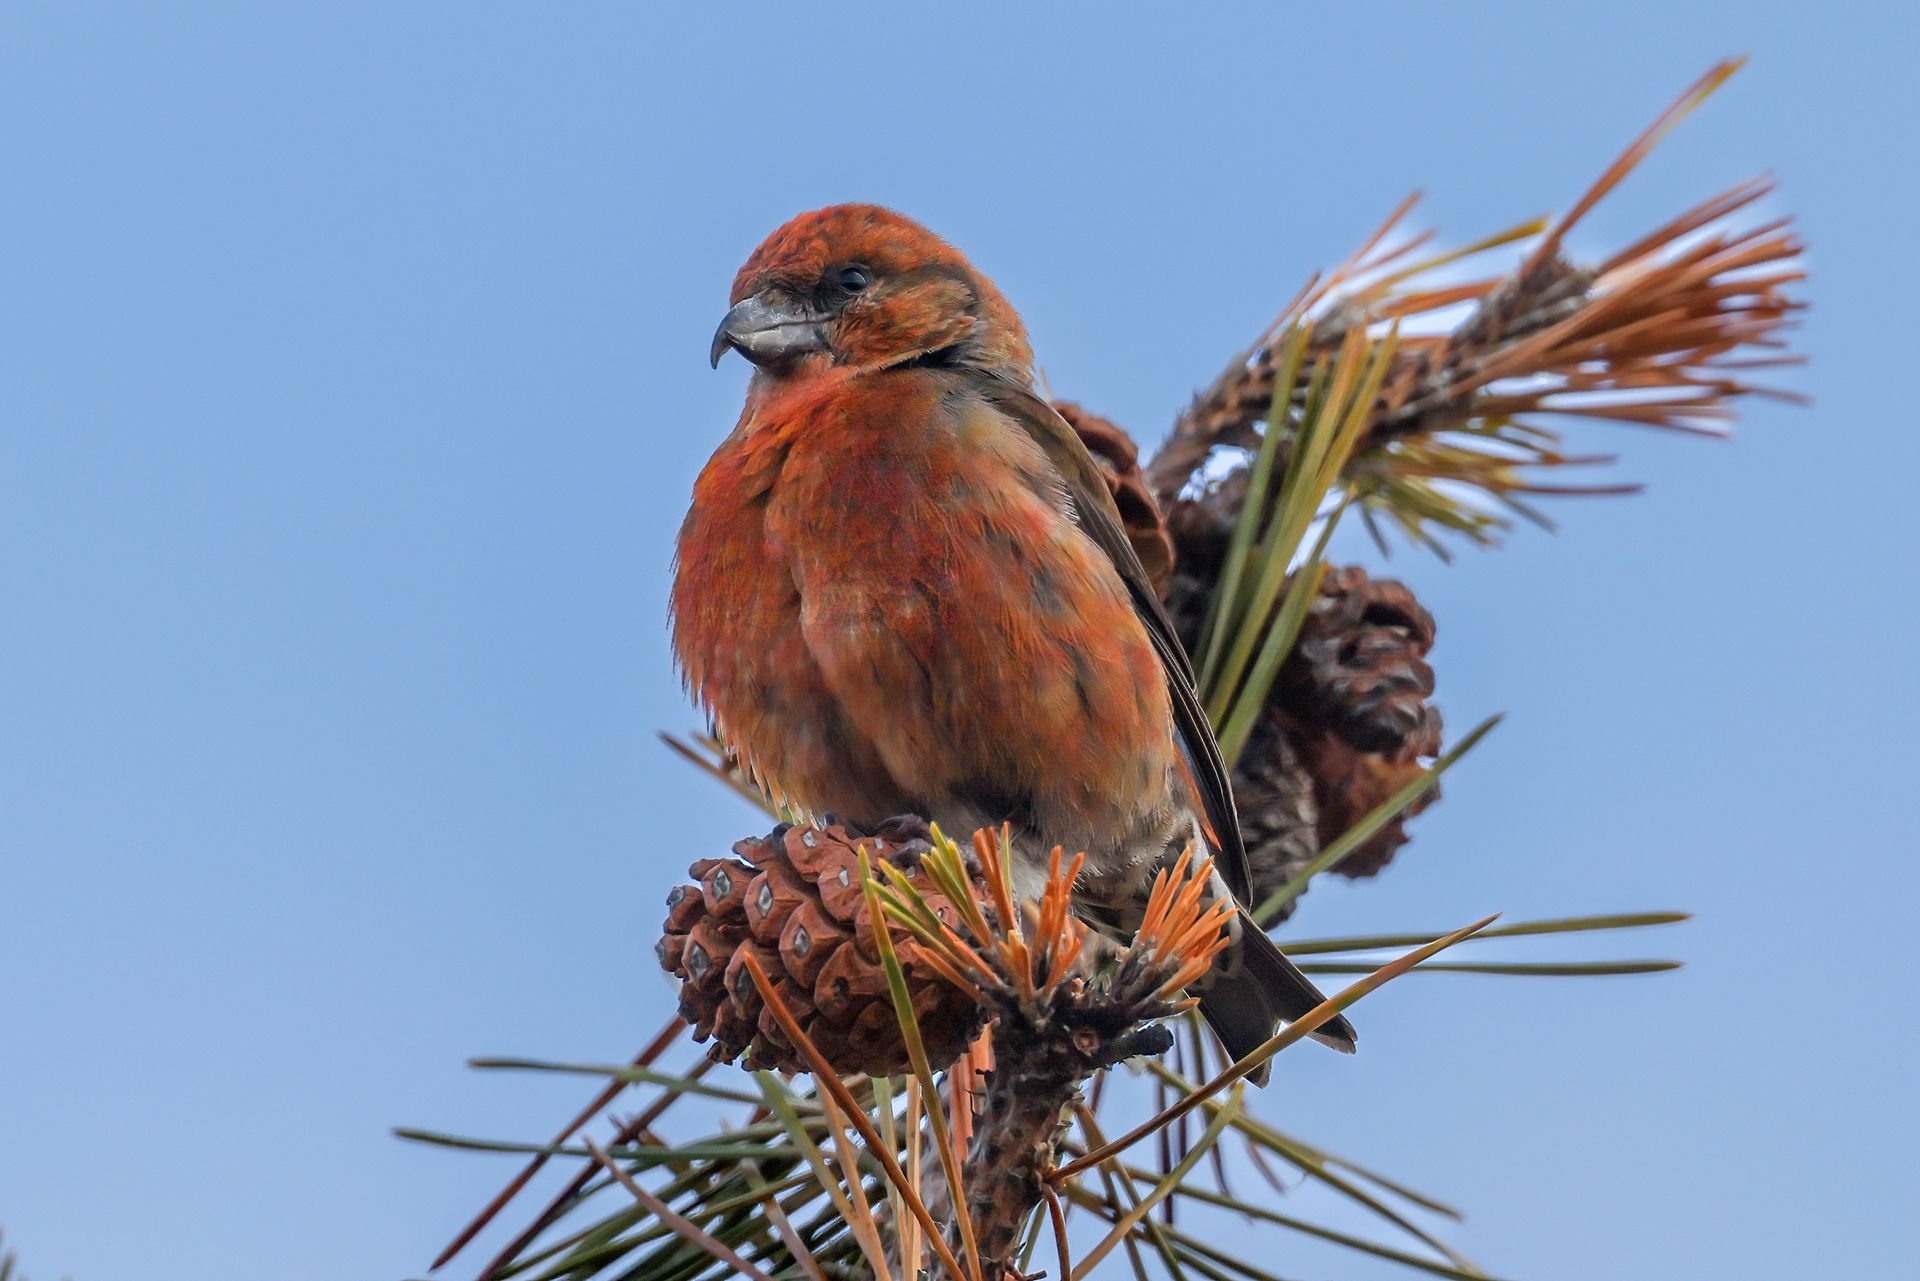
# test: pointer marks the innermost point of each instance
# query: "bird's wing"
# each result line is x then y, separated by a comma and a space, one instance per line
1100, 520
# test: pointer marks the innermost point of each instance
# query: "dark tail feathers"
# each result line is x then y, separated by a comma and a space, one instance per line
1246, 1008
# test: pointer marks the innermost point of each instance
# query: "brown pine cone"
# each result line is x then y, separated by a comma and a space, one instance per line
1349, 784
1359, 668
793, 900
1353, 695
1119, 461
1348, 721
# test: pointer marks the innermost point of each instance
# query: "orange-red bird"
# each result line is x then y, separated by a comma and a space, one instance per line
903, 589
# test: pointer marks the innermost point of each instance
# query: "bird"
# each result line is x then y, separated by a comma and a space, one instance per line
902, 592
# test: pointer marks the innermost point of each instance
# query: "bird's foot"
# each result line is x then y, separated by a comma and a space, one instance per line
904, 829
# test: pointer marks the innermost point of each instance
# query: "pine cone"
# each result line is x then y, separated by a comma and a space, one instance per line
1359, 667
1349, 784
793, 900
1119, 461
1353, 700
1348, 721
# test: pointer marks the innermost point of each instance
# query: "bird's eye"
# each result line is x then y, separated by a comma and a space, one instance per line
854, 279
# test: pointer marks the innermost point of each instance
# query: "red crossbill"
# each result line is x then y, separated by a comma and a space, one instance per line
903, 589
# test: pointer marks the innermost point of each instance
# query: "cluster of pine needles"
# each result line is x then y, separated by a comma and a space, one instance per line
1357, 400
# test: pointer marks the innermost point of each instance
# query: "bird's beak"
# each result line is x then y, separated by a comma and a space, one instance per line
768, 331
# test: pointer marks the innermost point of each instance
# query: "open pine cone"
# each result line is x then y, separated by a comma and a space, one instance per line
794, 900
1353, 698
1349, 720
1359, 668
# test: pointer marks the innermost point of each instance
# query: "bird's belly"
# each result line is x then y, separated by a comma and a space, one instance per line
1003, 678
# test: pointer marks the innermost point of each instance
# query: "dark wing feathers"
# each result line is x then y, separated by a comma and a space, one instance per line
1100, 519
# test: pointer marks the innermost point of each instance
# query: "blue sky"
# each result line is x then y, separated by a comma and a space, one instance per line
352, 383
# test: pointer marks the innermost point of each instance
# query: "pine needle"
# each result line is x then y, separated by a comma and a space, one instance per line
1293, 1032
1363, 831
1161, 1189
680, 1226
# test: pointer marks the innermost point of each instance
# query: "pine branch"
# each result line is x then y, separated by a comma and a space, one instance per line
1664, 333
871, 963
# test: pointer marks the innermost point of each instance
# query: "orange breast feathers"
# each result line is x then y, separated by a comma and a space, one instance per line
883, 600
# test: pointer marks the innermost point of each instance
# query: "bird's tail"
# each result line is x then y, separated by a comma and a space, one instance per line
1255, 991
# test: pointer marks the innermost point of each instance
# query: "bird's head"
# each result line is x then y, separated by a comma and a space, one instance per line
861, 287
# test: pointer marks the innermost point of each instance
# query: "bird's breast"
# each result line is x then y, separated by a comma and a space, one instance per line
884, 598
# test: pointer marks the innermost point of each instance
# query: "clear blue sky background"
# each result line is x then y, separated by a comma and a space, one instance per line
352, 381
